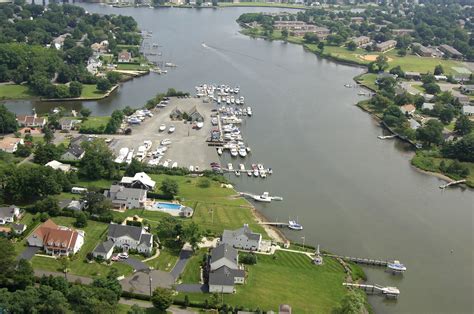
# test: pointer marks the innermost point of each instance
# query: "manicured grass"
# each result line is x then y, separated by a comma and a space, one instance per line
165, 261
91, 91
94, 233
102, 183
152, 217
30, 222
290, 278
192, 272
15, 91
95, 122
367, 79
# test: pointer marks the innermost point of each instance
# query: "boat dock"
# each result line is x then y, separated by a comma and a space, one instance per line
253, 196
358, 260
388, 292
275, 224
387, 137
452, 183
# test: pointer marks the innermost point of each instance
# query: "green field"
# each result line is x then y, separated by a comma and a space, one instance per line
95, 122
165, 261
131, 67
94, 233
192, 272
291, 278
15, 91
91, 91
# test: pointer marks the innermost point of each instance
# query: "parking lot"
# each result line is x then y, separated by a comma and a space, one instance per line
188, 146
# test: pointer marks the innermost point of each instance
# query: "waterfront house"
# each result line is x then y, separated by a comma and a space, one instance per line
93, 65
10, 144
194, 115
74, 153
67, 124
126, 198
9, 214
56, 165
139, 181
124, 57
451, 51
242, 238
224, 270
57, 240
386, 45
104, 249
408, 109
361, 40
468, 110
31, 121
130, 237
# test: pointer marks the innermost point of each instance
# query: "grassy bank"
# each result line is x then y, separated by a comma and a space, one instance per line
90, 91
15, 91
95, 122
288, 278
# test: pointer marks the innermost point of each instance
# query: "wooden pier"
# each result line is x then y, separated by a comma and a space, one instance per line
452, 183
358, 260
388, 292
275, 224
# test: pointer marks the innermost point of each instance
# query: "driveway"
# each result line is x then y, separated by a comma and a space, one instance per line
184, 257
192, 288
140, 281
137, 264
28, 253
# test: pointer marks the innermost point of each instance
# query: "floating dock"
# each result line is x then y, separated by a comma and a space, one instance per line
388, 292
452, 183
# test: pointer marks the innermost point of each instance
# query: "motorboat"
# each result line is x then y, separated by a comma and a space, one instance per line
219, 151
230, 166
166, 163
162, 128
174, 165
249, 111
234, 152
242, 152
255, 173
263, 174
237, 101
171, 129
265, 197
249, 173
396, 266
294, 225
242, 167
248, 149
191, 168
260, 167
199, 125
237, 173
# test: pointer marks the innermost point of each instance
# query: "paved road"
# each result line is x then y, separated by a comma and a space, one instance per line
192, 287
136, 264
28, 253
184, 257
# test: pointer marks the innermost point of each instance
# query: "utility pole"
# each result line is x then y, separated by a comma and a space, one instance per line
149, 277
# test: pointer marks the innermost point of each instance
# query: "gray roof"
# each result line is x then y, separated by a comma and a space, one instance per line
117, 231
118, 192
7, 211
75, 150
71, 204
146, 239
245, 230
224, 250
224, 276
18, 227
104, 247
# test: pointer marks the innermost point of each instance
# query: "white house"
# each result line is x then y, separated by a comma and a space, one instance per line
126, 198
224, 270
130, 237
10, 144
242, 238
140, 180
468, 110
104, 249
8, 214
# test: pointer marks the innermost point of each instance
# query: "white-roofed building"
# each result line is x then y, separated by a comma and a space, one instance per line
139, 180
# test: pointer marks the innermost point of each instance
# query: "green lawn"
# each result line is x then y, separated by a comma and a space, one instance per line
290, 278
91, 91
15, 91
94, 233
192, 272
30, 222
95, 122
131, 67
367, 79
165, 261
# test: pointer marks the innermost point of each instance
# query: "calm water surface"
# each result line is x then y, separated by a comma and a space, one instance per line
353, 193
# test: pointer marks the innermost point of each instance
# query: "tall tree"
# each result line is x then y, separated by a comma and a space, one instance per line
8, 122
162, 298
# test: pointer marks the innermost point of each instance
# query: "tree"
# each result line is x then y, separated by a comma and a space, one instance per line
134, 167
438, 70
23, 150
44, 153
169, 187
380, 102
463, 125
24, 274
162, 298
8, 122
48, 205
186, 301
381, 62
110, 283
430, 133
103, 84
75, 89
353, 302
192, 234
432, 88
447, 114
352, 46
114, 77
397, 71
48, 135
85, 112
321, 46
96, 203
81, 220
311, 38
135, 309
284, 34
114, 123
97, 161
462, 150
7, 262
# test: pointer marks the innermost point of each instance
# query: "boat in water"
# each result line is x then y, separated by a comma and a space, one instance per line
242, 152
249, 173
230, 167
396, 267
234, 152
219, 151
265, 197
237, 173
255, 173
294, 225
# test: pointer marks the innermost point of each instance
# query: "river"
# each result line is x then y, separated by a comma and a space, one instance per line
355, 194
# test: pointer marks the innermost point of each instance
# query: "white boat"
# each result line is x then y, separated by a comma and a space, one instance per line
230, 167
396, 266
249, 173
294, 225
237, 101
166, 163
130, 156
147, 144
174, 165
248, 149
162, 128
234, 152
191, 168
171, 129
242, 152
237, 173
219, 151
242, 167
170, 65
249, 111
122, 155
265, 197
219, 99
255, 173
260, 167
263, 174
242, 99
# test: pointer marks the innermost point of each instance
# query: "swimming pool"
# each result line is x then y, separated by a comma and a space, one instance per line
169, 206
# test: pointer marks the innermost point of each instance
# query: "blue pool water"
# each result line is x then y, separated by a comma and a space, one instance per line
170, 206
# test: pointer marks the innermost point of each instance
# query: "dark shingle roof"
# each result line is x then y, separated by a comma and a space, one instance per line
76, 150
146, 239
7, 211
224, 250
225, 276
117, 231
104, 247
18, 227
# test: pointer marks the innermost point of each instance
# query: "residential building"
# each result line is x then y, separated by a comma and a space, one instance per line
56, 165
468, 110
408, 109
67, 124
31, 121
75, 205
402, 31
451, 51
224, 270
57, 240
386, 45
423, 51
9, 214
139, 181
194, 115
93, 65
124, 57
242, 238
18, 228
130, 237
58, 42
104, 249
74, 152
427, 106
126, 198
413, 75
176, 114
357, 20
414, 124
299, 28
10, 144
463, 99
361, 40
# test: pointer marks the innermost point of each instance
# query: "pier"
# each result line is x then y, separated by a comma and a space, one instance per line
386, 137
388, 292
452, 183
358, 260
275, 224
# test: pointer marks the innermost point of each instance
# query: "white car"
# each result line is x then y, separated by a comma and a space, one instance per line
123, 255
171, 129
162, 128
166, 141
